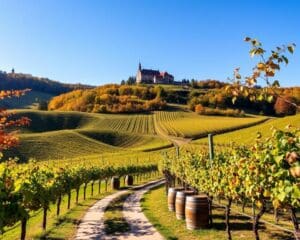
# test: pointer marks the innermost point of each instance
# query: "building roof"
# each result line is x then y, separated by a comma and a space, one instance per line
150, 72
164, 74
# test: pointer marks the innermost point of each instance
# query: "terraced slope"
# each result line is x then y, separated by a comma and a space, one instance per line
45, 121
61, 135
133, 123
247, 135
191, 125
59, 145
65, 135
127, 140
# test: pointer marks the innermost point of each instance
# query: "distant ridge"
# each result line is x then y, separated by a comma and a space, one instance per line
42, 89
14, 80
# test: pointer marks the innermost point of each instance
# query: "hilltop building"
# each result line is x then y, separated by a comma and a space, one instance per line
153, 76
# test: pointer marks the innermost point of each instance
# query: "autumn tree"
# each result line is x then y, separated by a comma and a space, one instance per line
283, 106
111, 98
265, 69
8, 137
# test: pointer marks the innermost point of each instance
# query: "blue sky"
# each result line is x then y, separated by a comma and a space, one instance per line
97, 42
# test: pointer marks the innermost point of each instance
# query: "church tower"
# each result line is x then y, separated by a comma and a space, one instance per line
139, 74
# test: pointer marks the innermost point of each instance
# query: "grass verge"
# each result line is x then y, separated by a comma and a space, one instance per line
155, 207
114, 222
64, 226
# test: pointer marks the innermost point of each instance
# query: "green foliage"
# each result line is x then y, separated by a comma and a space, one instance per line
267, 170
29, 187
114, 222
265, 69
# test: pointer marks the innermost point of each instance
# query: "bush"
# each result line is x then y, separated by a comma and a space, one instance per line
284, 106
199, 109
218, 112
111, 99
42, 105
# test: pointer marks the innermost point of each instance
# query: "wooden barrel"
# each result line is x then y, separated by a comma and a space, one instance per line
129, 180
172, 198
197, 212
115, 183
180, 203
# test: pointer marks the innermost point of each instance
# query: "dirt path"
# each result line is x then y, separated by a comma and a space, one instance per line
92, 224
140, 227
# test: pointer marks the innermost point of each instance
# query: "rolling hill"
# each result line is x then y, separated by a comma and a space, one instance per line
42, 89
248, 135
55, 135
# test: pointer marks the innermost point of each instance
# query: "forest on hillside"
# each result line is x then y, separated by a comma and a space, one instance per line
110, 98
18, 81
203, 101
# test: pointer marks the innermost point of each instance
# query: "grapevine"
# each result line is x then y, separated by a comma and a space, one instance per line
267, 171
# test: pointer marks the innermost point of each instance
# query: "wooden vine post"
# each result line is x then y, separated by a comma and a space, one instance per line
211, 148
211, 157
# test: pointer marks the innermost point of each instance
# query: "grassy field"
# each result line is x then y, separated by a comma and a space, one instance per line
247, 135
127, 140
155, 207
114, 222
65, 226
62, 227
68, 135
133, 123
115, 139
191, 125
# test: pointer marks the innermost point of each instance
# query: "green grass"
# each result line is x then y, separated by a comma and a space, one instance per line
63, 227
114, 221
247, 135
58, 145
154, 205
55, 135
133, 123
67, 135
191, 125
125, 140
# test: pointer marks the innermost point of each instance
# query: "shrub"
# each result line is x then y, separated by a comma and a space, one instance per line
110, 99
199, 109
284, 106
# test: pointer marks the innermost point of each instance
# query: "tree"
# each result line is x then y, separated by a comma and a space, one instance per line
10, 210
8, 137
266, 69
43, 105
283, 106
131, 81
